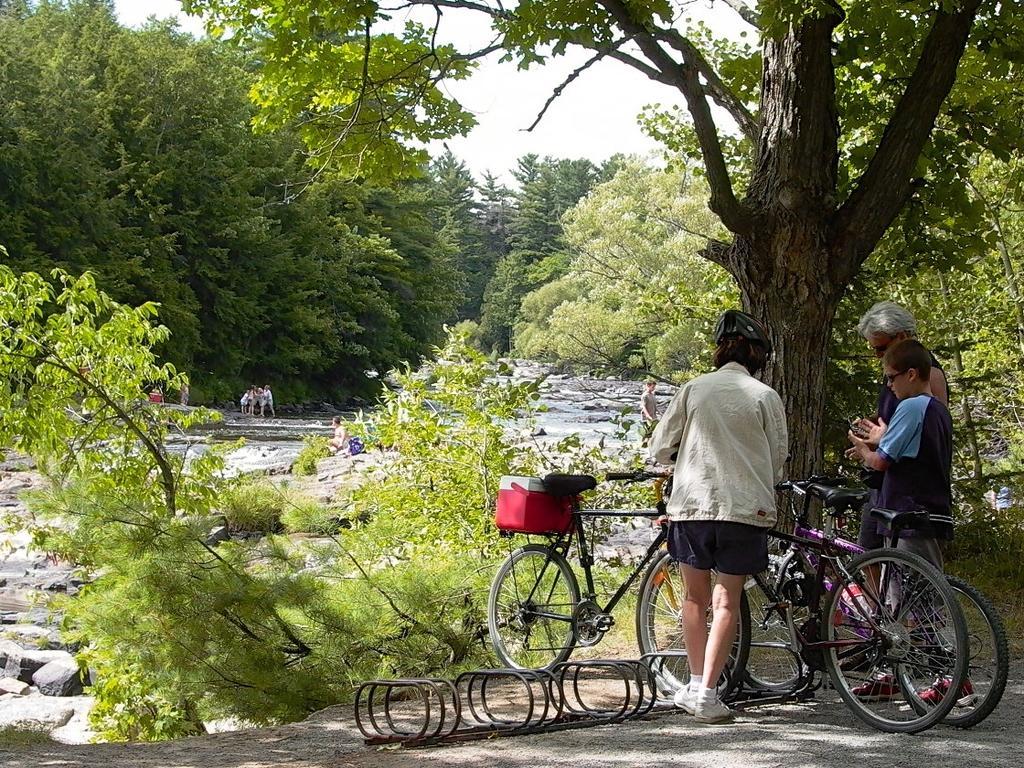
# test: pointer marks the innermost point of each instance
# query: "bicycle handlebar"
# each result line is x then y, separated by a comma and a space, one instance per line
831, 481
636, 476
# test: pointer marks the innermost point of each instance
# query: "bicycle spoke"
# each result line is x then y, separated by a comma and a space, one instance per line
917, 641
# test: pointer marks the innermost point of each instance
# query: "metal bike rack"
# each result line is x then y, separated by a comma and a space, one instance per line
378, 721
507, 702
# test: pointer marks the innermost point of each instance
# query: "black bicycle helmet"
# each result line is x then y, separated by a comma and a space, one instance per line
734, 323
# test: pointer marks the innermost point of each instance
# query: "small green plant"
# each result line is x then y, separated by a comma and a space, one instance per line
315, 447
301, 514
252, 505
130, 706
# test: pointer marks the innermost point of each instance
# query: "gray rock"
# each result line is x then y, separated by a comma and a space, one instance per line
217, 535
59, 678
35, 714
7, 648
77, 730
26, 663
32, 635
12, 686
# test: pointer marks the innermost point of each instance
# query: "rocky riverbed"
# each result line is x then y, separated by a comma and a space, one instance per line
40, 684
40, 687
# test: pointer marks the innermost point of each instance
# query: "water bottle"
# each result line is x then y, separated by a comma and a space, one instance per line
853, 604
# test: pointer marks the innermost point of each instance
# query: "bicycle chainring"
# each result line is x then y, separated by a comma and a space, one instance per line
590, 623
814, 658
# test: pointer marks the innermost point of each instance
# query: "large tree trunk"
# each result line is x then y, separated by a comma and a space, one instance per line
798, 304
784, 267
800, 316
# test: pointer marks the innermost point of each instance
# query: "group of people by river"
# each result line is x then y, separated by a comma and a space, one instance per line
254, 398
726, 435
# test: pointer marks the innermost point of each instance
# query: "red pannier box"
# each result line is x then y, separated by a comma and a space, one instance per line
525, 507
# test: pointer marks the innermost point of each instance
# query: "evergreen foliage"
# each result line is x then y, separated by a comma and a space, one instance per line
241, 628
129, 154
534, 252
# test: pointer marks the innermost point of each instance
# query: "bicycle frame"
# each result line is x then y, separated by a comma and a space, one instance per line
818, 552
563, 542
817, 548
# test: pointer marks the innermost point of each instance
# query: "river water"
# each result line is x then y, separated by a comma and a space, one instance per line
589, 407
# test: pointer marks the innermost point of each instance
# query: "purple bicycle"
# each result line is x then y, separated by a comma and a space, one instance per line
861, 617
774, 667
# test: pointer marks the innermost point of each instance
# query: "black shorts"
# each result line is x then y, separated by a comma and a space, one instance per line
734, 548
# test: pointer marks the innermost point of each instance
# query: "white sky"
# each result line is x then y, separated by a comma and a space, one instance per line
595, 117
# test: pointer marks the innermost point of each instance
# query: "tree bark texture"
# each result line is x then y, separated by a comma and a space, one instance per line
800, 249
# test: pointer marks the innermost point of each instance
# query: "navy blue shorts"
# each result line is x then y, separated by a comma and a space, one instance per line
734, 548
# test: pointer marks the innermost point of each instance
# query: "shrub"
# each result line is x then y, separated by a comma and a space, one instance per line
252, 505
301, 514
315, 447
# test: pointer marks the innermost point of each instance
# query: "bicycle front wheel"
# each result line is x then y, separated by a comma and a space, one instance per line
895, 629
530, 608
771, 664
659, 627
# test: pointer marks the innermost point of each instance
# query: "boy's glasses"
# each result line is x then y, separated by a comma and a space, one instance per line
891, 377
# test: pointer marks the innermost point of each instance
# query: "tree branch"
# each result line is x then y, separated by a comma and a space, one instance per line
717, 252
715, 88
886, 184
686, 79
565, 84
497, 13
748, 14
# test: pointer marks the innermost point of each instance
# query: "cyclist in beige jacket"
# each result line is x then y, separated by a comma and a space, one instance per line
725, 432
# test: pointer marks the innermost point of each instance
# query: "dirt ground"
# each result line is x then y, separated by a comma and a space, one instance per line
818, 734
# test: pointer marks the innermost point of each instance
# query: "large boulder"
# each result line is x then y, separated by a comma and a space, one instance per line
22, 664
59, 678
35, 714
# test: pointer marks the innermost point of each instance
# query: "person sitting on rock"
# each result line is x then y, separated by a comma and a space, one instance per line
339, 443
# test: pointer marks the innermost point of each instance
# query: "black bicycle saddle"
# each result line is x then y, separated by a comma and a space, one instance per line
568, 485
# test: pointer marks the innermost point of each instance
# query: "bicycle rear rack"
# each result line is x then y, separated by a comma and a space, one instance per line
507, 702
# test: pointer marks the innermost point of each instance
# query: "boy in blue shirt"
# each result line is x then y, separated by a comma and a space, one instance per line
916, 455
916, 451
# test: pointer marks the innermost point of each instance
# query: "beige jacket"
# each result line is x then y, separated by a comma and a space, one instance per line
727, 431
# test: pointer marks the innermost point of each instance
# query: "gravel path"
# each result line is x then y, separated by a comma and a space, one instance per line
818, 734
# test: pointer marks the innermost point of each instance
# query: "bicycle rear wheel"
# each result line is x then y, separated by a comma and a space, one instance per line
530, 608
659, 628
898, 628
989, 661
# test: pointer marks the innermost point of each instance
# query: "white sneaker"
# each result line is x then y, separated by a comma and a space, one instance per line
711, 711
685, 699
